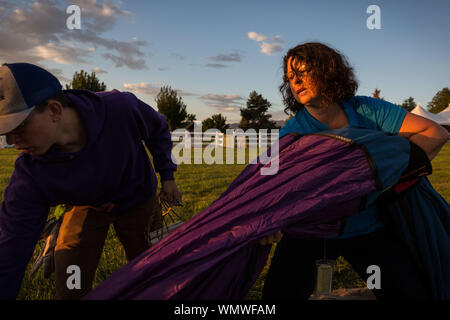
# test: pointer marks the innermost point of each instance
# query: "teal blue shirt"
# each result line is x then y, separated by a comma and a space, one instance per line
364, 112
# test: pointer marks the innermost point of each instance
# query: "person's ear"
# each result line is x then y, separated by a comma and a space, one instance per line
55, 109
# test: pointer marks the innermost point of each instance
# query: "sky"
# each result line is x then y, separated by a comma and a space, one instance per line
214, 53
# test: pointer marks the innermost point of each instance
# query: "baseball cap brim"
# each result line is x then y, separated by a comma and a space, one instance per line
11, 121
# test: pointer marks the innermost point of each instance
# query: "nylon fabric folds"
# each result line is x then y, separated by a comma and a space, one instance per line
215, 255
421, 218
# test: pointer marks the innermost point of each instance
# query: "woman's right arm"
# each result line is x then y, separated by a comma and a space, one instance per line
426, 133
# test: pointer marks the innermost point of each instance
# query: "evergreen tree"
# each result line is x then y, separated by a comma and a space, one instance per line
217, 121
440, 101
173, 108
408, 104
254, 116
189, 122
83, 80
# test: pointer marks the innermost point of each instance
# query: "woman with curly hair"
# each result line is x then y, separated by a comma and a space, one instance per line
319, 88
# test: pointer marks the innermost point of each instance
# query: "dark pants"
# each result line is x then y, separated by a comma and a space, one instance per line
82, 236
292, 270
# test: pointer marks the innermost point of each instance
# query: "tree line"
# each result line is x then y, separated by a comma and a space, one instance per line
171, 105
439, 102
254, 115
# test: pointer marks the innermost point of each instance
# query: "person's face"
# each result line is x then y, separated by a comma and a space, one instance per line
299, 76
35, 135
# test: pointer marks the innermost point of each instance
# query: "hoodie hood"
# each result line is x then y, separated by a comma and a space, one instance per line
92, 111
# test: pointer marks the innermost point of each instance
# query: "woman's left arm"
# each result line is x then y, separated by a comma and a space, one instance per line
426, 133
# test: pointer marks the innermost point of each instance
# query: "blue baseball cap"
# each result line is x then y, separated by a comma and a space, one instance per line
22, 87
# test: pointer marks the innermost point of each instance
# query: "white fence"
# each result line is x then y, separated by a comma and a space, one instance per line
237, 139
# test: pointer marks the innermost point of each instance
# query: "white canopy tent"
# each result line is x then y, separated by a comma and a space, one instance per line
445, 110
445, 114
442, 118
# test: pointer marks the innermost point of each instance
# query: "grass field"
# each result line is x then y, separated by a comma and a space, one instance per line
201, 185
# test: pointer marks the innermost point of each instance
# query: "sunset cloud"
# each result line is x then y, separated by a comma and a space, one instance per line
142, 88
97, 70
216, 65
228, 103
147, 88
227, 57
36, 32
256, 36
271, 48
268, 46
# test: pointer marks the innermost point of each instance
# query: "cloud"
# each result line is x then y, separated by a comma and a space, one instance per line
97, 70
61, 54
277, 39
120, 61
256, 36
100, 17
229, 103
229, 57
36, 32
146, 88
57, 73
273, 45
185, 93
271, 48
24, 29
128, 51
142, 88
216, 65
221, 97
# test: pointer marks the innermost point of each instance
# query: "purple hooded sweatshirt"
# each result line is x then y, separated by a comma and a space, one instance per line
112, 168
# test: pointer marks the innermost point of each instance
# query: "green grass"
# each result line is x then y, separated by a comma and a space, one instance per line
201, 185
441, 172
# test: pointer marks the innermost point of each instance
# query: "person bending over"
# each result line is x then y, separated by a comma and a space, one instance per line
85, 150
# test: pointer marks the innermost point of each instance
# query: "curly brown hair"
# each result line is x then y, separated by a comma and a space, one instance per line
329, 71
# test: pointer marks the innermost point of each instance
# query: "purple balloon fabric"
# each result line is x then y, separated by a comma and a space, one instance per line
216, 254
